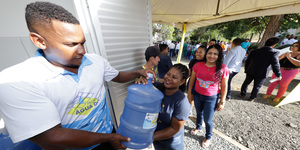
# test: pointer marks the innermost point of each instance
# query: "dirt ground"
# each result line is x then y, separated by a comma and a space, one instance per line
259, 125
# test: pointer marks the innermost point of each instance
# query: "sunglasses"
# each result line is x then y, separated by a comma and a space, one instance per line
294, 46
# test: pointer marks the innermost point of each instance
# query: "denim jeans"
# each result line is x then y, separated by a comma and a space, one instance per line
205, 108
229, 84
170, 144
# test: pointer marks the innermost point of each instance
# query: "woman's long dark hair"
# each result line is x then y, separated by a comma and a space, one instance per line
219, 61
185, 74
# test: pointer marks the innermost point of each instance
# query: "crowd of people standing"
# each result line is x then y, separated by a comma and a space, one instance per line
215, 63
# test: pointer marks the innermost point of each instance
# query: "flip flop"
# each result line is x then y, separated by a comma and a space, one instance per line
206, 144
276, 99
266, 96
195, 131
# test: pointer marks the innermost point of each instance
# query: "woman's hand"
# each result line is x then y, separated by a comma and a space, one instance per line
220, 106
142, 80
288, 55
190, 97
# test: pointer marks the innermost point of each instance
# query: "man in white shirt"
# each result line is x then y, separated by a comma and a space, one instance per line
57, 99
197, 45
177, 48
228, 46
234, 61
172, 49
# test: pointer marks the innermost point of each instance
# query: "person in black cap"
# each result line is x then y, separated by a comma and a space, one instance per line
152, 58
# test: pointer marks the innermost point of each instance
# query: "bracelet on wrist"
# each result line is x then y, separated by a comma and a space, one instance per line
222, 103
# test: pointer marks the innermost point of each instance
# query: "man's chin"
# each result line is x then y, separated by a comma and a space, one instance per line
73, 66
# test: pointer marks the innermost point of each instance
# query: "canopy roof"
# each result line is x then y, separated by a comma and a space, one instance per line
199, 13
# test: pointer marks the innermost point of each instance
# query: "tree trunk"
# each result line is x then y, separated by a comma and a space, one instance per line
271, 29
251, 37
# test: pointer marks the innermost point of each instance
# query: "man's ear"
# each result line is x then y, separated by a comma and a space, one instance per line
151, 58
37, 40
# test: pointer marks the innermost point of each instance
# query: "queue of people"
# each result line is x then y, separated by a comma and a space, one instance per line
40, 97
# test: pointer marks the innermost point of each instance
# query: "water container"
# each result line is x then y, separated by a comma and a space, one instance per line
139, 118
7, 144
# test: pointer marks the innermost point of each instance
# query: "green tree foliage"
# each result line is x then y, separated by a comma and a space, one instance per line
232, 28
163, 31
177, 34
243, 28
289, 21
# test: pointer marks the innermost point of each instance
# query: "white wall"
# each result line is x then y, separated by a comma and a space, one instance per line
122, 32
15, 43
12, 16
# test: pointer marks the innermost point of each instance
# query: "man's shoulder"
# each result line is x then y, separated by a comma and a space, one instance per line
237, 49
33, 68
92, 56
95, 58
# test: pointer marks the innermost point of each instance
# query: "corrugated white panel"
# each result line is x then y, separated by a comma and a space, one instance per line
123, 32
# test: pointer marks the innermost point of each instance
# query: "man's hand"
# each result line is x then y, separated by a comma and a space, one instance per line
117, 139
144, 72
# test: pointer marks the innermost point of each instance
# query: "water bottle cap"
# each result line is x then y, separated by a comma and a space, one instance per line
150, 75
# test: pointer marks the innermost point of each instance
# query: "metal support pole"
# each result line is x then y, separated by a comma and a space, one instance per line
182, 42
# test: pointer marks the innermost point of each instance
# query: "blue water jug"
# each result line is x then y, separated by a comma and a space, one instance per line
139, 118
7, 144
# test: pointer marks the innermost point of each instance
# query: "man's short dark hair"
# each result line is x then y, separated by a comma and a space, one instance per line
42, 13
151, 51
272, 41
214, 40
237, 41
162, 47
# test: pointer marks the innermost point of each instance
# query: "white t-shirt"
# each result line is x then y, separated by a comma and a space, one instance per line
36, 96
177, 46
172, 46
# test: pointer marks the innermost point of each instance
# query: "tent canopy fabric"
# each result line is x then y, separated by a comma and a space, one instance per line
200, 13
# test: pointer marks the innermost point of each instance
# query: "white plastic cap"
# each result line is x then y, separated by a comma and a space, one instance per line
150, 75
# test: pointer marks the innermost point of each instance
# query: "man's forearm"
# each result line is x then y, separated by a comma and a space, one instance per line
126, 76
63, 138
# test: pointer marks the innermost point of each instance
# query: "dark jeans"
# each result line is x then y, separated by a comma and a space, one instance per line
205, 108
258, 82
172, 53
176, 143
229, 84
188, 54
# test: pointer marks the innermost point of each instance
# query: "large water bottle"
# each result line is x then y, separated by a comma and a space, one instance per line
7, 144
139, 118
